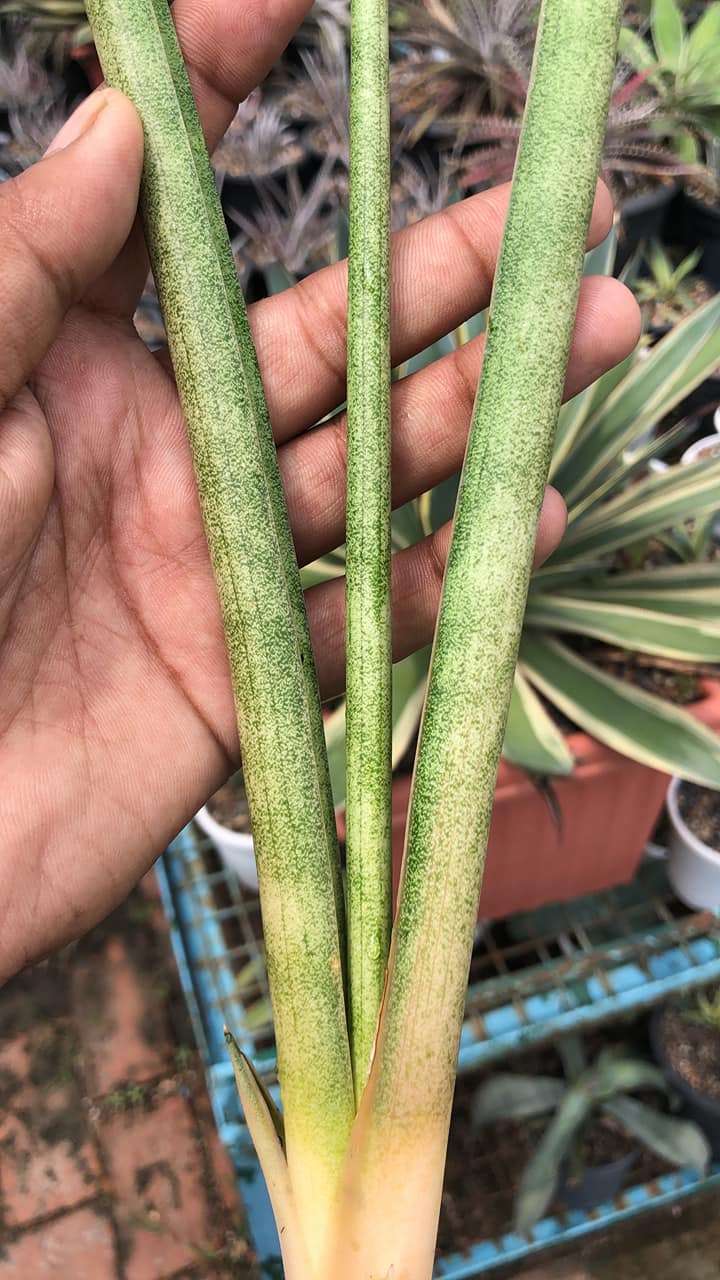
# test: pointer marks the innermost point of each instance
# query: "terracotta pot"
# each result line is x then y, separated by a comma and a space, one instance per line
608, 809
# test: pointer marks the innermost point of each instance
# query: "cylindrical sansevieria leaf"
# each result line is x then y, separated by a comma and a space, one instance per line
367, 625
396, 1165
252, 551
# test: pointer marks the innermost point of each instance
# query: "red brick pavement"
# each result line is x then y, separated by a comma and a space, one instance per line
110, 1164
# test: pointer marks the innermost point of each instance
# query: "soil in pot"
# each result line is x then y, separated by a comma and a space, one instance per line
229, 806
688, 1050
693, 1051
676, 684
700, 811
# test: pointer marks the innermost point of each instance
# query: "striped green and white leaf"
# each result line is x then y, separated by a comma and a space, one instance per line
652, 387
640, 630
631, 464
652, 505
659, 592
627, 719
532, 740
324, 569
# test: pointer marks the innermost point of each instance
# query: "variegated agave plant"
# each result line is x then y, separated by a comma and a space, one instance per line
668, 610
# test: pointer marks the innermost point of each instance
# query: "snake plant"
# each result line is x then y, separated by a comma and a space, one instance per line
367, 614
354, 1164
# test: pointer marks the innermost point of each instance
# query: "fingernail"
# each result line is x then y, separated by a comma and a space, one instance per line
80, 121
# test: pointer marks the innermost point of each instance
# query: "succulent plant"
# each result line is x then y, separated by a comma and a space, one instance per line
292, 225
51, 23
474, 53
422, 187
259, 142
23, 80
681, 58
316, 97
32, 129
637, 152
591, 1091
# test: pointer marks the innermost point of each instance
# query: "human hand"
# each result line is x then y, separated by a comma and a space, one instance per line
116, 712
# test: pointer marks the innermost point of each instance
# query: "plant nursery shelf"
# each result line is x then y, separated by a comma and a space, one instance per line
534, 977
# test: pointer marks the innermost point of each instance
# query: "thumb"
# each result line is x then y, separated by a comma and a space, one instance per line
62, 223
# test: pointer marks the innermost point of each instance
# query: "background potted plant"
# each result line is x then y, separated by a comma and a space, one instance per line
667, 291
644, 158
225, 819
682, 64
694, 844
686, 1045
593, 1095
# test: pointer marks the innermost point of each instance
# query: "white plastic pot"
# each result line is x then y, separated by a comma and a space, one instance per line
716, 419
693, 868
696, 450
235, 848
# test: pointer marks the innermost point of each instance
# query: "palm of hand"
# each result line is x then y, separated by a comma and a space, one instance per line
116, 715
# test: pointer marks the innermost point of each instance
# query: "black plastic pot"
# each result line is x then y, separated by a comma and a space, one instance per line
699, 226
596, 1186
696, 1106
642, 218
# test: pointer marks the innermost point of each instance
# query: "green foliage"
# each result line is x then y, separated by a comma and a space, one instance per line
601, 584
683, 66
664, 291
129, 1096
589, 1092
706, 1010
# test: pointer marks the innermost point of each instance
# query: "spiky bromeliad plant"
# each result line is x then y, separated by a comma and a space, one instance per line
355, 1165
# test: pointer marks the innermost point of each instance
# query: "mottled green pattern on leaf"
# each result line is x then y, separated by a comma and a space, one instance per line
258, 582
368, 627
487, 576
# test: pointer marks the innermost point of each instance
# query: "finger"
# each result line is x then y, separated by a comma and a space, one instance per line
417, 575
228, 49
442, 273
62, 222
431, 412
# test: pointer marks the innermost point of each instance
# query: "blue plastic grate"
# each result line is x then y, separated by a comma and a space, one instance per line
534, 978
